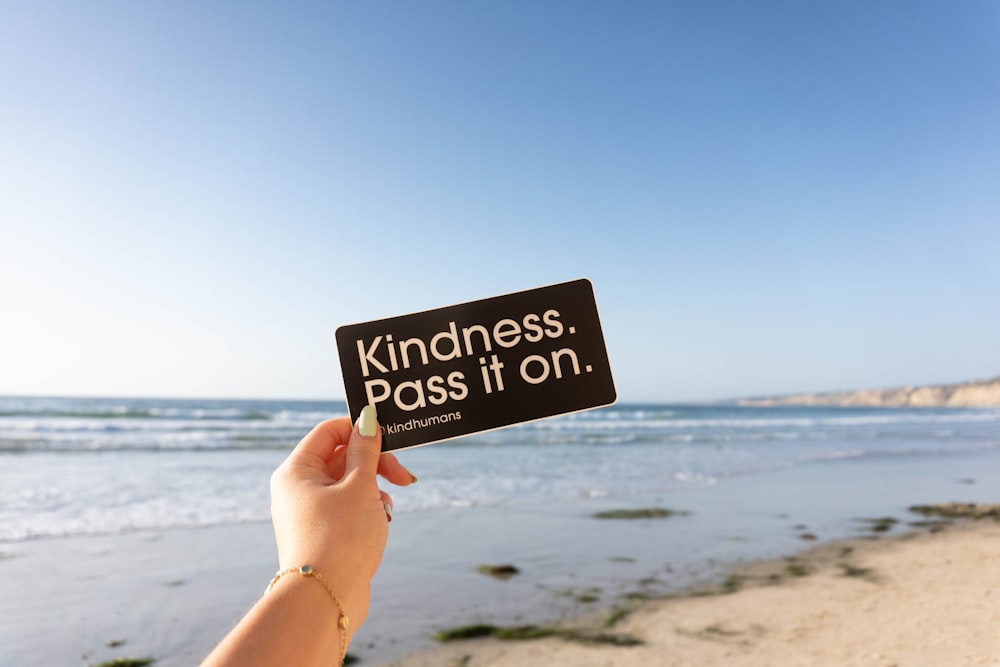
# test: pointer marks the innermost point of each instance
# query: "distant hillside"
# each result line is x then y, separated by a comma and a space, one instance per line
975, 394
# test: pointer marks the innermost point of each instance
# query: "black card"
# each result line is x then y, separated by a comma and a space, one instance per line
478, 366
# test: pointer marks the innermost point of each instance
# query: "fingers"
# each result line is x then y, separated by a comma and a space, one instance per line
364, 445
335, 464
386, 503
391, 469
324, 439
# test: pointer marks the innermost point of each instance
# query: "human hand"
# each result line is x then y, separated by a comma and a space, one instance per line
328, 511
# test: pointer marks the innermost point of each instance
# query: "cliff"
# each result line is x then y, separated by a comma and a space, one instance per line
975, 394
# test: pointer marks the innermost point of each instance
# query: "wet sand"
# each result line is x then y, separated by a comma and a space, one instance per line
913, 599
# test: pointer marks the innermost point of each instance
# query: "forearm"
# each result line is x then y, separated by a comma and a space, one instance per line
328, 512
296, 623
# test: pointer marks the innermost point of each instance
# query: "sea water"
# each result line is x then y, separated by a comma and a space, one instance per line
88, 466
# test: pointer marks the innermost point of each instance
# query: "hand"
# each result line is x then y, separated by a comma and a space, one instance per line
328, 511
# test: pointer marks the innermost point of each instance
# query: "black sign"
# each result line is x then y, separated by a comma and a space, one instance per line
478, 366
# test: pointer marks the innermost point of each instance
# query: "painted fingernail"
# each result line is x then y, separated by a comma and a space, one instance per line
413, 478
368, 421
388, 511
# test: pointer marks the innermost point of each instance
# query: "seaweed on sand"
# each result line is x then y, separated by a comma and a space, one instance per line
126, 662
958, 510
639, 513
500, 572
881, 524
526, 632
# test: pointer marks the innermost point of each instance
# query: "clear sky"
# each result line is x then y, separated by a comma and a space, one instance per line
769, 197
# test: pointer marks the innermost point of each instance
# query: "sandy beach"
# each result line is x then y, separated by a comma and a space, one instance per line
913, 599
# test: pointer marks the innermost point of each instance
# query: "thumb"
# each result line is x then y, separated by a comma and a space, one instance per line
365, 444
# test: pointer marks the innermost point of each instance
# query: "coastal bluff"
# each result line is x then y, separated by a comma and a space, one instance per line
974, 394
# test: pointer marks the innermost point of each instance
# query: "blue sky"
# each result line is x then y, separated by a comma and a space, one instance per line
769, 197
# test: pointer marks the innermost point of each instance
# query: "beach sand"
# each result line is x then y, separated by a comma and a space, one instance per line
913, 599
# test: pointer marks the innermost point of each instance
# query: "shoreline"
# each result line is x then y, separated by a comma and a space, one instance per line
171, 594
922, 597
175, 609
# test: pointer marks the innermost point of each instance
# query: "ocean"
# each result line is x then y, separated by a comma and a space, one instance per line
94, 466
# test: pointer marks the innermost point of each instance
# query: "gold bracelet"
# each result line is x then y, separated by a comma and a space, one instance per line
310, 571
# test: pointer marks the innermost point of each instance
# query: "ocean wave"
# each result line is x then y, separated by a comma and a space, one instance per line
146, 413
804, 423
14, 446
34, 531
899, 452
167, 463
56, 426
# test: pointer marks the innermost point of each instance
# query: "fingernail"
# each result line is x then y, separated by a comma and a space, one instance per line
388, 511
413, 478
368, 421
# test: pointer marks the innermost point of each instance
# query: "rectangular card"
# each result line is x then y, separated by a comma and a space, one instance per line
478, 366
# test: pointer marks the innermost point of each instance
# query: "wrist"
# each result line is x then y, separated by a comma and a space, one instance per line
354, 596
319, 597
346, 601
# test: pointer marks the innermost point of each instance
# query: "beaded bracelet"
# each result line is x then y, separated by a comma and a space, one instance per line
309, 571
